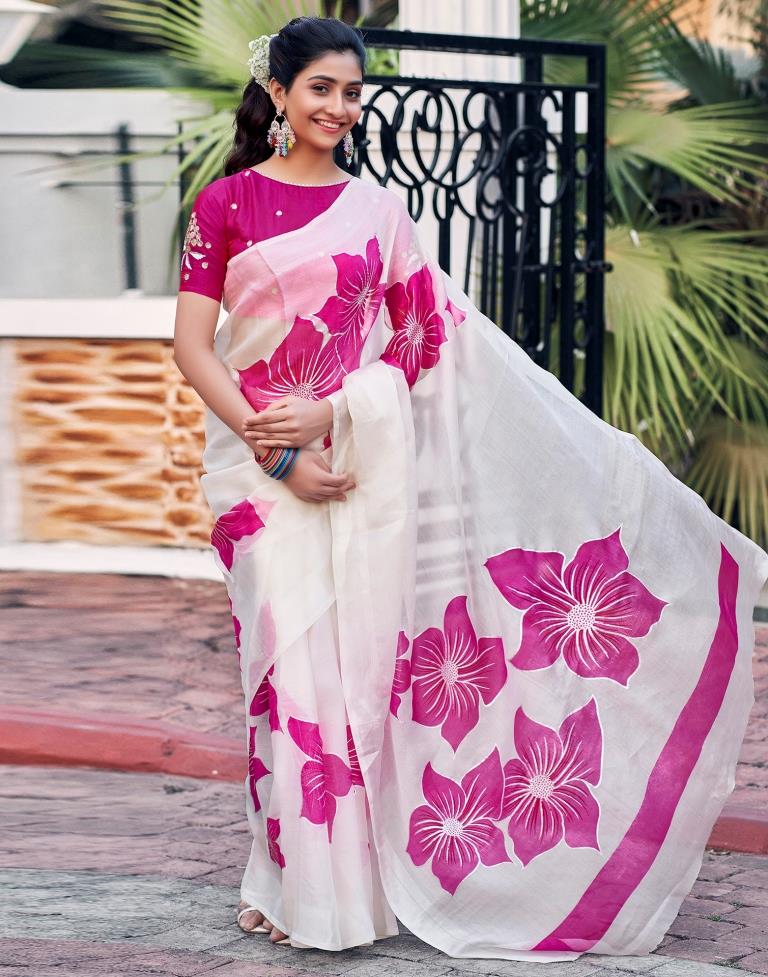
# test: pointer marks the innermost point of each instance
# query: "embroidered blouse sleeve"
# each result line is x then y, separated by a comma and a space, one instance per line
204, 253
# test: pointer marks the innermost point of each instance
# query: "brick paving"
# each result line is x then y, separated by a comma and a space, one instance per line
107, 873
147, 647
116, 874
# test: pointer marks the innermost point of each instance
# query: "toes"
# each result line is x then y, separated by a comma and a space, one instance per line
275, 936
249, 921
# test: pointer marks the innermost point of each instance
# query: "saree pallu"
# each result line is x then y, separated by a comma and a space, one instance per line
537, 641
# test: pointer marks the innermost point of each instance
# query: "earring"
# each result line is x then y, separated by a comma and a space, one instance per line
280, 135
349, 147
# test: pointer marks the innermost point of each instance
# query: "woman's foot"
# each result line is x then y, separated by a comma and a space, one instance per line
252, 920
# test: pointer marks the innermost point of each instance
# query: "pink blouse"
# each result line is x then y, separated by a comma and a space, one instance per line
233, 213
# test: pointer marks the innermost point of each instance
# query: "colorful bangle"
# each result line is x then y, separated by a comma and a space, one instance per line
266, 460
278, 462
291, 462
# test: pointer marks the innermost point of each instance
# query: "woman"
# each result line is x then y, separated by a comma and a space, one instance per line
496, 658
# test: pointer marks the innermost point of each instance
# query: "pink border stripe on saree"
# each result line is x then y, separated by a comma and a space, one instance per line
589, 920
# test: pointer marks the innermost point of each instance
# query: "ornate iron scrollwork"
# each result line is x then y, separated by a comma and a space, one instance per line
509, 163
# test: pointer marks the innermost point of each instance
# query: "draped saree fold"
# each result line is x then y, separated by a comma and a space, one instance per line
498, 692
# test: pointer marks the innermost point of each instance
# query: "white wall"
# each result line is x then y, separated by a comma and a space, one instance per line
486, 18
65, 241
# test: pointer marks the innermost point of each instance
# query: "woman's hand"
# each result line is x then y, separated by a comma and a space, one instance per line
311, 479
290, 422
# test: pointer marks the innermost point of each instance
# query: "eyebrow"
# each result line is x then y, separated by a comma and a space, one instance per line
328, 78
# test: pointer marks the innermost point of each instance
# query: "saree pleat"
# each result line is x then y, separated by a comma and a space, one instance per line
320, 900
516, 662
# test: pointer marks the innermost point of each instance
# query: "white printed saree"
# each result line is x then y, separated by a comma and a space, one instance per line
500, 691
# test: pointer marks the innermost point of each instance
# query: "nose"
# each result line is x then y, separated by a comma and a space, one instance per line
335, 106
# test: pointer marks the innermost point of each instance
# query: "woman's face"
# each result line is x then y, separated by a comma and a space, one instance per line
324, 100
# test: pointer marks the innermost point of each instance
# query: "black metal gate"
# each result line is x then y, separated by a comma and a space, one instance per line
521, 167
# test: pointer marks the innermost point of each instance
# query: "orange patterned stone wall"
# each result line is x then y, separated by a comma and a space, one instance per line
109, 438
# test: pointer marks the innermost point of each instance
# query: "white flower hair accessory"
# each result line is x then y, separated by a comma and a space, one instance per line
259, 59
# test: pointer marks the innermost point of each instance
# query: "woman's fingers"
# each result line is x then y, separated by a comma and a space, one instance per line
332, 493
269, 425
338, 482
268, 417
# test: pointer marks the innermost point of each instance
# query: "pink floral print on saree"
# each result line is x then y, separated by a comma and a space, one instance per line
535, 662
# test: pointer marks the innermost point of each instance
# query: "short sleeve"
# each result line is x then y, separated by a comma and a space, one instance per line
204, 253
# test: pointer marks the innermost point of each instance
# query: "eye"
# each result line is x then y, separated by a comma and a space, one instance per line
354, 93
318, 88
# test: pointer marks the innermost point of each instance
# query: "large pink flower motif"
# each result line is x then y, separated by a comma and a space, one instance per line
455, 827
301, 366
265, 699
419, 327
241, 521
451, 670
273, 846
402, 678
256, 768
350, 313
546, 796
323, 778
354, 761
585, 612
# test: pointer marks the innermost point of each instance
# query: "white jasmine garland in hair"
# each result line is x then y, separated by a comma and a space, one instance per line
259, 60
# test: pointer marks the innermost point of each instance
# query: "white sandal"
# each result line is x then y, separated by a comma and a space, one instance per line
251, 909
259, 928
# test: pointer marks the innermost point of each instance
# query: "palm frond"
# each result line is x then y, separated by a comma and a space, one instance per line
666, 304
44, 64
212, 36
626, 29
706, 74
710, 147
647, 379
746, 398
731, 472
728, 274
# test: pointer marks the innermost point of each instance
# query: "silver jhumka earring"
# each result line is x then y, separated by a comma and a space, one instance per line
349, 147
280, 135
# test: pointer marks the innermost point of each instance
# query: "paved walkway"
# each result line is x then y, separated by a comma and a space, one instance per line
144, 647
122, 874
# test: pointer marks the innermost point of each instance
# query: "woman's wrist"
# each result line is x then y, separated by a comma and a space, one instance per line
327, 404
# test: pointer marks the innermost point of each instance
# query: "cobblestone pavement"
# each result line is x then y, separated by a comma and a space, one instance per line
118, 874
126, 874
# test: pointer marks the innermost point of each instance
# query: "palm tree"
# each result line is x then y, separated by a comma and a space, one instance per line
686, 358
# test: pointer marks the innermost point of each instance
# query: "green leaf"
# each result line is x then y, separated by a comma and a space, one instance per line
626, 29
42, 64
730, 471
711, 147
212, 36
708, 75
663, 306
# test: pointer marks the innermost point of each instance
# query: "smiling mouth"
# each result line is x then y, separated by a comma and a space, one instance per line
328, 126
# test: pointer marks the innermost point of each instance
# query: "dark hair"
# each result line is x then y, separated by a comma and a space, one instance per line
301, 41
